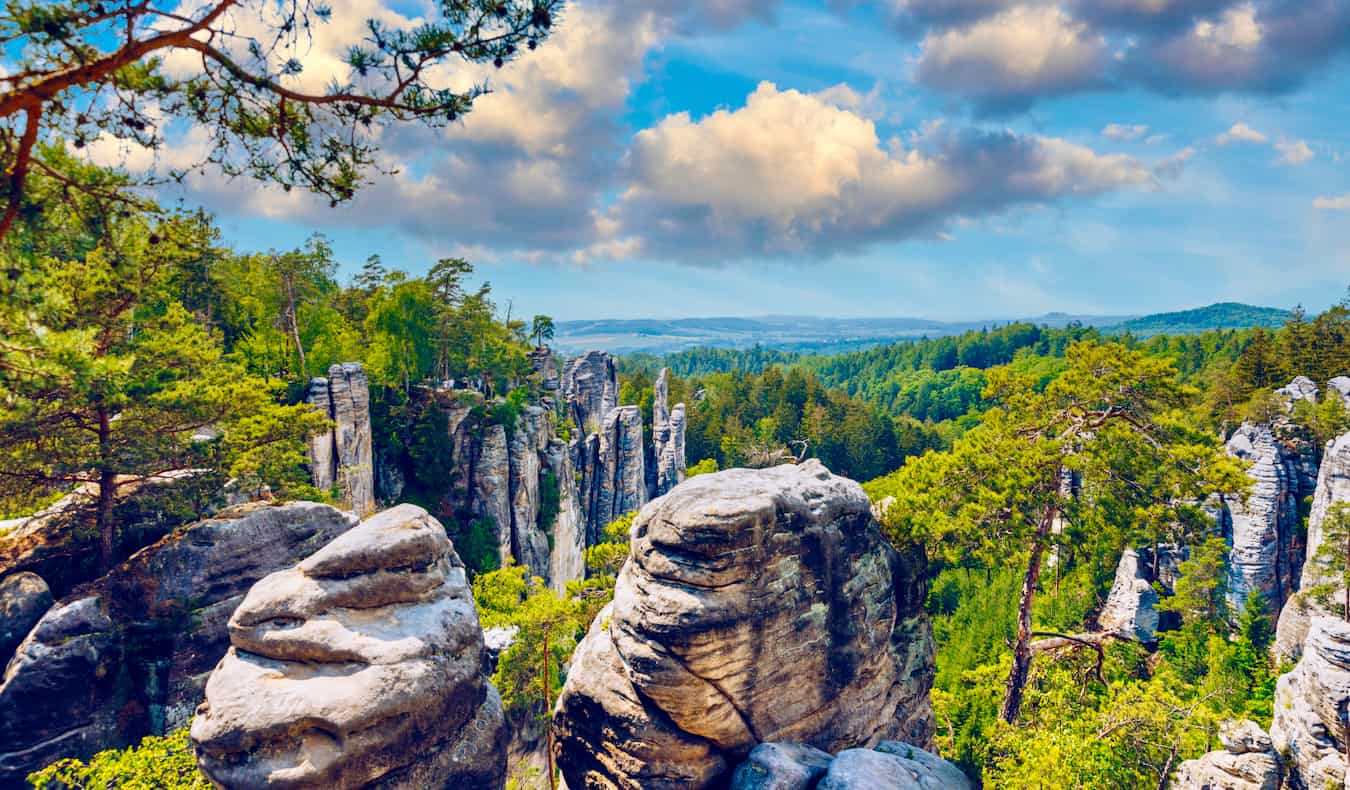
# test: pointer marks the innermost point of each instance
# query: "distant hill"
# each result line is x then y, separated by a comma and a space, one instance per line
817, 335
1223, 315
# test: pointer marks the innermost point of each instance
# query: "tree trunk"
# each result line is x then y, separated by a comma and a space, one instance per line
1021, 658
548, 726
107, 494
295, 325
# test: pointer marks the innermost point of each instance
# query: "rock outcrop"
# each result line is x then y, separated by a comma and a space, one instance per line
1341, 386
1131, 607
1333, 485
24, 598
1248, 762
1301, 388
344, 456
128, 655
890, 766
668, 426
590, 385
362, 666
1267, 545
614, 478
755, 605
1310, 723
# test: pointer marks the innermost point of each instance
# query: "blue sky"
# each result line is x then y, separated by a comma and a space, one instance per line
938, 158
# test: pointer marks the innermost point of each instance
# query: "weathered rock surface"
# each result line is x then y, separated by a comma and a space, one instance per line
590, 386
492, 484
567, 559
345, 455
1248, 762
1267, 546
1341, 386
528, 447
1310, 707
1333, 485
756, 605
128, 654
892, 766
1301, 388
24, 598
614, 478
668, 426
1131, 607
781, 766
359, 667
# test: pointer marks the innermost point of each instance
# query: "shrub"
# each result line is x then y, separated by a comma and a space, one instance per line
157, 763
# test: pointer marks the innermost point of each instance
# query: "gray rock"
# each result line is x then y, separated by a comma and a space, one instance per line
528, 443
567, 560
619, 483
668, 427
359, 667
1341, 386
865, 769
1131, 607
129, 654
590, 385
24, 598
1248, 762
781, 766
491, 485
1301, 388
1310, 705
345, 455
756, 605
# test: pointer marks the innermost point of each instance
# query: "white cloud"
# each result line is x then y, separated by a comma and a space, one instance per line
1006, 60
1172, 166
1116, 131
1336, 203
1294, 152
1240, 133
792, 173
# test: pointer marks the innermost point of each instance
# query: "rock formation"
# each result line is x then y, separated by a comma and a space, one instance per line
1333, 485
128, 654
362, 666
1301, 388
24, 598
614, 478
667, 439
590, 385
756, 605
345, 455
1131, 608
1248, 762
1267, 547
890, 766
1310, 707
1341, 386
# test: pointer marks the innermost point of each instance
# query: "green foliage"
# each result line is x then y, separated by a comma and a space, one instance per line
1200, 595
157, 763
530, 672
704, 467
478, 548
550, 502
1333, 559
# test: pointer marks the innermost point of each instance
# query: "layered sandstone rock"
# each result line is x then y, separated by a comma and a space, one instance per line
362, 666
344, 456
668, 426
1131, 607
614, 478
1248, 762
128, 655
1301, 388
890, 766
756, 605
1310, 707
24, 598
590, 386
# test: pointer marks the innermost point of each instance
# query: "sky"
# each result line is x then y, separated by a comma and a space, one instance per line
948, 159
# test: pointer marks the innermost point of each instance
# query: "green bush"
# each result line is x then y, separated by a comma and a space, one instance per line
477, 546
157, 763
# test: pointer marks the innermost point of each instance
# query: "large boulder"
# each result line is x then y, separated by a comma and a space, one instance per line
1248, 762
24, 598
755, 605
345, 455
1310, 707
890, 766
1131, 607
362, 666
128, 655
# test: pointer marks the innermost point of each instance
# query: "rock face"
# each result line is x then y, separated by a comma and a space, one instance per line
1248, 762
668, 427
590, 385
24, 598
1333, 485
1131, 608
1267, 548
614, 478
756, 605
1301, 388
1341, 386
362, 666
345, 455
891, 766
1310, 707
128, 654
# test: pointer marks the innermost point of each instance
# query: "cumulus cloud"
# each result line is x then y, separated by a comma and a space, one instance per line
1116, 131
1172, 166
1295, 152
1240, 133
1336, 203
791, 173
1006, 61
